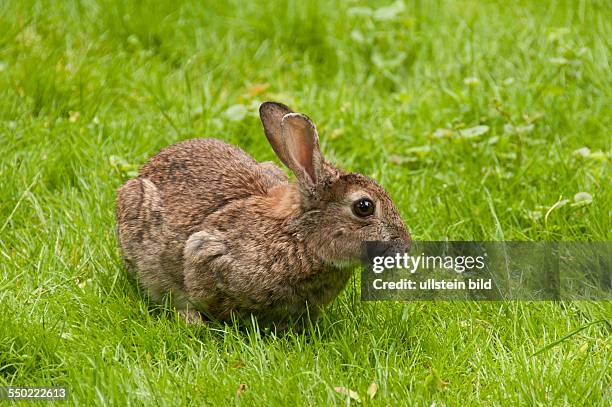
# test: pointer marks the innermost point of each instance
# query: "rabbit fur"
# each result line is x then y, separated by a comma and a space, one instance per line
225, 236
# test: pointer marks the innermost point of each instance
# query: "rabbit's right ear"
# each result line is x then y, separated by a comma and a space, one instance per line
301, 145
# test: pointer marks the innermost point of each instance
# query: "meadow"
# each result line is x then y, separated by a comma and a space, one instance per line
484, 120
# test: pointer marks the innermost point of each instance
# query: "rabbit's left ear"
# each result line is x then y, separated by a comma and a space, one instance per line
271, 115
301, 148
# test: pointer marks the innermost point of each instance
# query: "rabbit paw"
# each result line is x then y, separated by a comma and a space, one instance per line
191, 316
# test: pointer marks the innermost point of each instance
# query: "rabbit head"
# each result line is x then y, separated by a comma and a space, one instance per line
338, 210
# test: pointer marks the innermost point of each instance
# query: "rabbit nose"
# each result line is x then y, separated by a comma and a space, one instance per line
400, 242
401, 235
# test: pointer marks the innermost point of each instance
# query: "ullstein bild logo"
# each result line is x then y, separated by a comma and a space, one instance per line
491, 271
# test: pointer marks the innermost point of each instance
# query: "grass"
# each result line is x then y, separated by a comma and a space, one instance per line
89, 90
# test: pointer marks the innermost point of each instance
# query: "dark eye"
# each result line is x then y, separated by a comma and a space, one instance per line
363, 207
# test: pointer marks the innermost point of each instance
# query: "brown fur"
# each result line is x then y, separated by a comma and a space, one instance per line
226, 235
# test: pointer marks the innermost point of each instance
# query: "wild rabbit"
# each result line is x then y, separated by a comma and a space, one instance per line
224, 235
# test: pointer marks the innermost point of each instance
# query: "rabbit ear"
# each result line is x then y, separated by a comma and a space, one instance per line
301, 148
271, 115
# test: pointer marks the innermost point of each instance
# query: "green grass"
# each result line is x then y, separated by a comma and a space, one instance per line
90, 90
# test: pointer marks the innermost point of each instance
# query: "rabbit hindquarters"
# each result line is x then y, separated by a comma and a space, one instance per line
202, 250
140, 230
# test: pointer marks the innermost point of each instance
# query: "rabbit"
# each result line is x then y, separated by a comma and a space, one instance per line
226, 237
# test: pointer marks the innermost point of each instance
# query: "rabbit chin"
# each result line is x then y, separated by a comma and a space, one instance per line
342, 263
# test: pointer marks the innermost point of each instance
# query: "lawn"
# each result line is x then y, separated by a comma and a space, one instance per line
483, 120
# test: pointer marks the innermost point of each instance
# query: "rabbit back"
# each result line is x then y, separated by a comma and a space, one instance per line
197, 177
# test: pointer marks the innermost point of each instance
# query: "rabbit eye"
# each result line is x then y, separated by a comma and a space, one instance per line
363, 207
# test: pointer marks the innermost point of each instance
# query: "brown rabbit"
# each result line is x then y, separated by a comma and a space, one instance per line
223, 235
